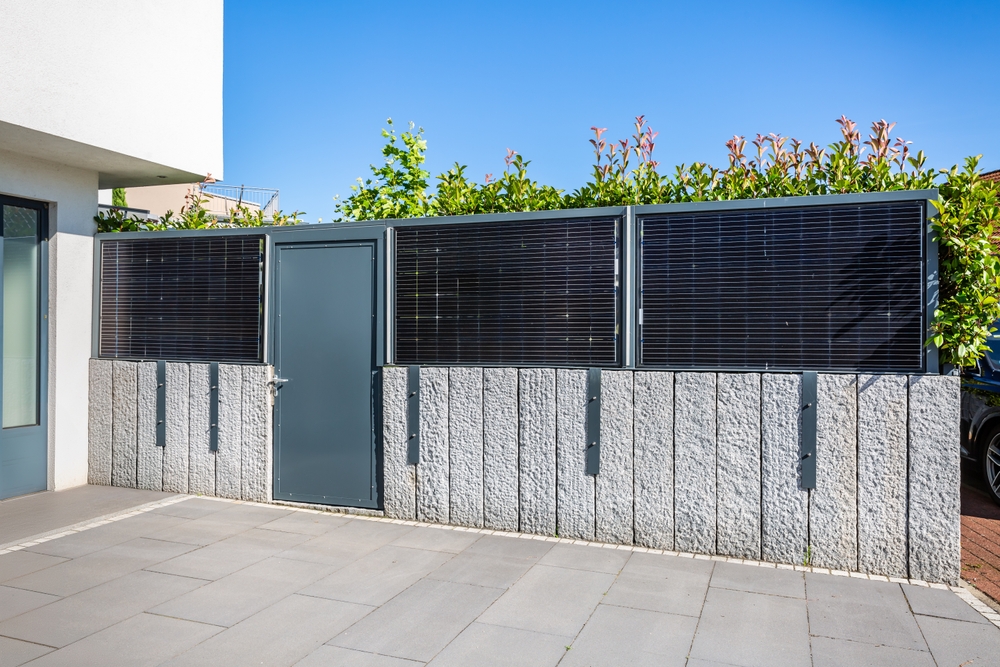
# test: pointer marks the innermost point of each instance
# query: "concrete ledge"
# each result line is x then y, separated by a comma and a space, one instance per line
124, 409
653, 473
574, 488
537, 450
615, 482
433, 473
399, 478
739, 465
465, 442
150, 469
695, 462
99, 427
784, 511
500, 451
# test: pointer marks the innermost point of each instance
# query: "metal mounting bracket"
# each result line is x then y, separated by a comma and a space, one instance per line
593, 462
413, 415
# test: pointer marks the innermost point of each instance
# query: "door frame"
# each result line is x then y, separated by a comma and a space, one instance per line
43, 337
339, 233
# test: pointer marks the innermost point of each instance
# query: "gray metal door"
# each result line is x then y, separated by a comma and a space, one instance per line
324, 358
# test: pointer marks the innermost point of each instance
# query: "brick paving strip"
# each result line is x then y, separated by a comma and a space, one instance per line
981, 543
987, 612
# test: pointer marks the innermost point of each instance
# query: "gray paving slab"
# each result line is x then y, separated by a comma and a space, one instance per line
634, 637
191, 508
754, 579
108, 535
19, 563
752, 630
451, 541
944, 604
14, 652
419, 622
511, 547
482, 570
679, 588
230, 555
492, 645
829, 652
580, 557
346, 544
379, 577
280, 635
141, 641
306, 524
231, 599
553, 600
77, 616
16, 601
335, 656
959, 643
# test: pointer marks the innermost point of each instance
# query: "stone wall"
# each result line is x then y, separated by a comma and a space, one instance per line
123, 449
694, 462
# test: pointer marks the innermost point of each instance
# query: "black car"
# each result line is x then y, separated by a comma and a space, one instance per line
981, 417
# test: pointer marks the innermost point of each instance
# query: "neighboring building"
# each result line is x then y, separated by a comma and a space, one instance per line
218, 199
992, 175
92, 99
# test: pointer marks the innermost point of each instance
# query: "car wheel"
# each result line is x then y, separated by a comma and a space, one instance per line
990, 460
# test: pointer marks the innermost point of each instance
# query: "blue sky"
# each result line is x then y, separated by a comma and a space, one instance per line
308, 85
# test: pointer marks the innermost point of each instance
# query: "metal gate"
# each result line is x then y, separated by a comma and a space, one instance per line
327, 352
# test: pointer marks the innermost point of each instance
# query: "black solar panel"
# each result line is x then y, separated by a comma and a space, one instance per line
190, 299
519, 293
835, 288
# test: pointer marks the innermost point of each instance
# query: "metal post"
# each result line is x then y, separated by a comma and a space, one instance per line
808, 451
593, 464
413, 415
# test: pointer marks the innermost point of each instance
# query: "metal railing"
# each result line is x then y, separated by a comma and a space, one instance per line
223, 199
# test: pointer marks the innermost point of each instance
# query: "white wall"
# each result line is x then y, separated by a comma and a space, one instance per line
72, 194
139, 78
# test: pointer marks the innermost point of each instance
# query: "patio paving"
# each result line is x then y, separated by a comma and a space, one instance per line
981, 542
196, 581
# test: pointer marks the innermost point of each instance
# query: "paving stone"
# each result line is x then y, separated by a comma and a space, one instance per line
580, 557
695, 462
882, 470
654, 459
739, 465
486, 645
16, 601
88, 541
537, 450
784, 506
958, 643
306, 524
621, 636
778, 635
230, 555
828, 652
400, 477
527, 550
433, 539
944, 604
500, 450
124, 408
150, 456
833, 504
465, 442
14, 652
615, 483
574, 488
19, 563
432, 472
935, 549
482, 570
201, 459
325, 656
177, 449
662, 583
229, 458
766, 580
99, 431
257, 416
419, 622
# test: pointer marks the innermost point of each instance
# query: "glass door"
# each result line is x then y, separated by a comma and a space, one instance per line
23, 442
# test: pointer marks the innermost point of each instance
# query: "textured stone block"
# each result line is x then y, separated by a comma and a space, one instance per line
574, 488
739, 465
399, 478
784, 504
124, 408
465, 442
500, 456
432, 473
201, 460
99, 428
833, 504
537, 452
176, 451
654, 459
614, 483
694, 462
229, 458
255, 475
150, 471
935, 548
882, 474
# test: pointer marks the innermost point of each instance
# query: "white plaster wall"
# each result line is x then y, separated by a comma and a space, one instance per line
72, 194
141, 78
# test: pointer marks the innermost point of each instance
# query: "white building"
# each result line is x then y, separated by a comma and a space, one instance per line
96, 94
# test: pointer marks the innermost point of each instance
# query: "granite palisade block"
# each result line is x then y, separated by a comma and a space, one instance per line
399, 477
654, 459
882, 469
124, 409
614, 483
99, 427
784, 504
433, 473
255, 475
500, 456
229, 458
150, 469
465, 442
178, 413
201, 459
833, 504
537, 452
935, 548
574, 488
694, 462
739, 465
